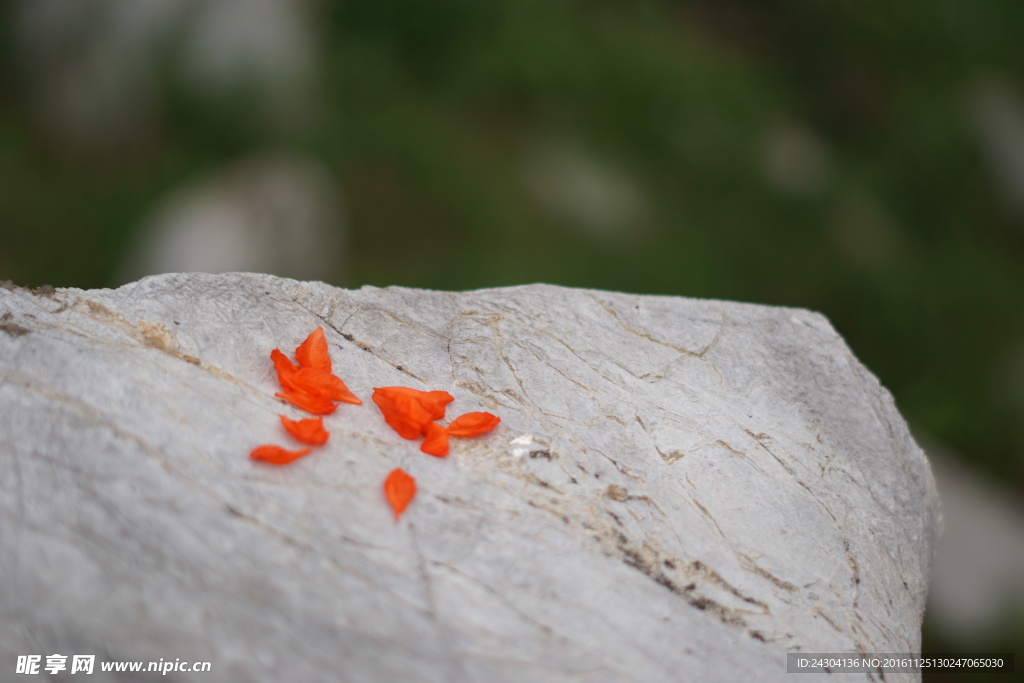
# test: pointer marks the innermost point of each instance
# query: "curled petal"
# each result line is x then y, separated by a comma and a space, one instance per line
312, 353
399, 488
285, 370
309, 431
472, 424
408, 411
435, 441
314, 380
321, 383
433, 402
438, 400
318, 405
276, 455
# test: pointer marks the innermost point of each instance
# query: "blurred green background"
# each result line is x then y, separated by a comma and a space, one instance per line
862, 159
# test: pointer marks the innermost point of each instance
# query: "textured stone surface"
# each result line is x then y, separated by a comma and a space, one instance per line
679, 489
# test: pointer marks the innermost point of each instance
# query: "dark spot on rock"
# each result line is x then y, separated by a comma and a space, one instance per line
546, 454
399, 368
730, 619
348, 336
701, 603
663, 580
176, 322
572, 480
689, 587
669, 564
757, 635
616, 492
633, 559
13, 329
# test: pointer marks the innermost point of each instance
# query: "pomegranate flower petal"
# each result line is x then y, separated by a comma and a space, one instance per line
399, 488
472, 424
436, 441
313, 353
276, 455
309, 431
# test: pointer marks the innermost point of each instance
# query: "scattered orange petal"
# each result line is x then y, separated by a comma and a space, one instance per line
408, 411
322, 383
472, 424
309, 431
406, 416
276, 455
312, 353
433, 401
318, 405
399, 487
436, 441
285, 370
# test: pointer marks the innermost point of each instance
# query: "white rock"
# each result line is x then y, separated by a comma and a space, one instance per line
978, 573
719, 484
998, 112
273, 211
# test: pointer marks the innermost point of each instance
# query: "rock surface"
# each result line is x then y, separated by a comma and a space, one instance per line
678, 490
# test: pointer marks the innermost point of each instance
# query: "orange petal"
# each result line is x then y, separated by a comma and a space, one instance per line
437, 401
312, 353
322, 383
307, 431
318, 405
399, 488
406, 416
285, 370
276, 455
472, 424
436, 441
433, 401
408, 410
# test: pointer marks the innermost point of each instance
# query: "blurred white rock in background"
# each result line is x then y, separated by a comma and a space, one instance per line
91, 66
998, 110
592, 195
978, 573
273, 212
95, 68
99, 71
794, 159
265, 47
866, 234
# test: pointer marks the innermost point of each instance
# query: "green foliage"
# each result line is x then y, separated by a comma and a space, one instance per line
434, 115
